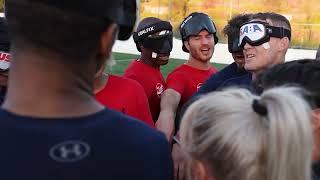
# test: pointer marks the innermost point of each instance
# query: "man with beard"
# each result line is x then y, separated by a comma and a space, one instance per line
235, 69
198, 33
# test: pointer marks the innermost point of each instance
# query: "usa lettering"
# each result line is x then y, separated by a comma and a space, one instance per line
144, 31
249, 29
4, 56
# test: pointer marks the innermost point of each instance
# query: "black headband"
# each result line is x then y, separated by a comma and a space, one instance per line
154, 28
278, 32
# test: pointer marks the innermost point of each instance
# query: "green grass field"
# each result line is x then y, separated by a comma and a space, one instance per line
122, 61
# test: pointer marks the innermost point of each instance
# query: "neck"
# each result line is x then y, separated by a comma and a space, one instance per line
148, 60
47, 87
100, 82
203, 65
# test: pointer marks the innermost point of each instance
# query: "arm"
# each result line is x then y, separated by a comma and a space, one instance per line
169, 103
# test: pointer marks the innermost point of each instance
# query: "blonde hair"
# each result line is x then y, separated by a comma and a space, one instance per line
223, 131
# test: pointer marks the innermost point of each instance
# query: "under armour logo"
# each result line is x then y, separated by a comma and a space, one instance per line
69, 151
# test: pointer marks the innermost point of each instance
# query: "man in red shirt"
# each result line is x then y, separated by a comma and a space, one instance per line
153, 39
123, 95
198, 34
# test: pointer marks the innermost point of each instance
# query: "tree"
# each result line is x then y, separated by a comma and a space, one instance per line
1, 5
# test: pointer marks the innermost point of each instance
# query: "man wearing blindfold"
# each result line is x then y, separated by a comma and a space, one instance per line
198, 33
265, 41
153, 39
4, 58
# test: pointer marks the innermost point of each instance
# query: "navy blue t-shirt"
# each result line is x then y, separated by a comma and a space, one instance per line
228, 76
105, 145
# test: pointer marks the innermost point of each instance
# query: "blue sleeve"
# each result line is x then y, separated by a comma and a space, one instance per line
215, 81
211, 84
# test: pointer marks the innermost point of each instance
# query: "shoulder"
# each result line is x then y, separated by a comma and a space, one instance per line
243, 80
213, 70
124, 81
134, 64
180, 70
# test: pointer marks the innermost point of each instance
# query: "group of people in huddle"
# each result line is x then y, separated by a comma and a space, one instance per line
63, 117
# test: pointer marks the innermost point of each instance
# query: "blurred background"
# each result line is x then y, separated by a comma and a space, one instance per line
304, 15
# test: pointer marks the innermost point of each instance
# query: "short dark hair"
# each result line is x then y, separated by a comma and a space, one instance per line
277, 19
232, 29
71, 35
304, 73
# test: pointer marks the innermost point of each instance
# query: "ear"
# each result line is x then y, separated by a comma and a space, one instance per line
107, 40
315, 115
284, 43
100, 71
187, 45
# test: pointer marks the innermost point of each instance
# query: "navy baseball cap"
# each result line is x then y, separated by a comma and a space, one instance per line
121, 12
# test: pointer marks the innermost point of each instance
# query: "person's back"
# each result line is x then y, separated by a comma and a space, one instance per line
51, 125
233, 134
104, 145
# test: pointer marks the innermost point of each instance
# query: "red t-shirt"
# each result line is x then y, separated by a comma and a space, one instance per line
151, 80
187, 80
127, 96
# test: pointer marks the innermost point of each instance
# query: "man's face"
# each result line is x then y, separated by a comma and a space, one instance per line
162, 59
159, 60
258, 58
201, 46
